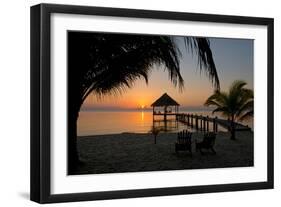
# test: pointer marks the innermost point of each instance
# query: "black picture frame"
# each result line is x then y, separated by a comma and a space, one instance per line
40, 102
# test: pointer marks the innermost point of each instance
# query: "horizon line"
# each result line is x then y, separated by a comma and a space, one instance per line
140, 109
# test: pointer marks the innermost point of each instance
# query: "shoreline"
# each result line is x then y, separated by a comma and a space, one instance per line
117, 134
149, 133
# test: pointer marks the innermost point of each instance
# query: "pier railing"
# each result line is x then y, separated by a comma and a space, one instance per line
206, 123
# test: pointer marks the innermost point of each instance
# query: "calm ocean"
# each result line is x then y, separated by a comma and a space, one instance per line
115, 122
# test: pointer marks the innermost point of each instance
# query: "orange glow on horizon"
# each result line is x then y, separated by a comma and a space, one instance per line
142, 98
142, 95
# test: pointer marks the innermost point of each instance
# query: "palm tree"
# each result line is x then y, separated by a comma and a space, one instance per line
236, 105
110, 63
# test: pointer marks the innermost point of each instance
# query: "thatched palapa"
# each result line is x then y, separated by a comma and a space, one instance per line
170, 106
165, 100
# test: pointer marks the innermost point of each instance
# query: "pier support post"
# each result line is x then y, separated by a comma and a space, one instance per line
207, 123
214, 125
204, 122
196, 122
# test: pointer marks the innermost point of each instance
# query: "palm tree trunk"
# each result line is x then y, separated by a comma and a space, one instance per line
73, 158
75, 103
233, 136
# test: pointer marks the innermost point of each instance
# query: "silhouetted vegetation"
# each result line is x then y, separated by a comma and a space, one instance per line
236, 105
110, 63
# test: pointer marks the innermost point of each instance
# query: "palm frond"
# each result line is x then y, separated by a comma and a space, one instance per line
237, 103
201, 46
246, 115
217, 99
110, 64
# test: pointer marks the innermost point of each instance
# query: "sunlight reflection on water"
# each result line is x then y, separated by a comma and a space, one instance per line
113, 122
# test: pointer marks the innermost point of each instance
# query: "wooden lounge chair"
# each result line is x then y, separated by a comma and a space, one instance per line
207, 143
184, 142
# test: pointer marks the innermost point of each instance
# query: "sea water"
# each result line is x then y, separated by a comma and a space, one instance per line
133, 121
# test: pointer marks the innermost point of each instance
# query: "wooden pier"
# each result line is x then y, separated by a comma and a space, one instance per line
166, 106
206, 123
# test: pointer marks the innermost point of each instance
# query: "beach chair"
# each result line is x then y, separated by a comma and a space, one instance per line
207, 143
184, 142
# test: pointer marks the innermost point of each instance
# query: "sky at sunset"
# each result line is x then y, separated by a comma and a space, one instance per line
233, 59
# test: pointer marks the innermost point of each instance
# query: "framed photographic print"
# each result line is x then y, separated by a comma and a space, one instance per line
133, 103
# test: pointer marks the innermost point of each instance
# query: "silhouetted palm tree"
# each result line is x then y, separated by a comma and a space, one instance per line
236, 105
110, 63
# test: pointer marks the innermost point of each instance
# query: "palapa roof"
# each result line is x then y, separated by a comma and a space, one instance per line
165, 100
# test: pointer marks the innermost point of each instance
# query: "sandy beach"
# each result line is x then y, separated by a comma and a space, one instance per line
132, 152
